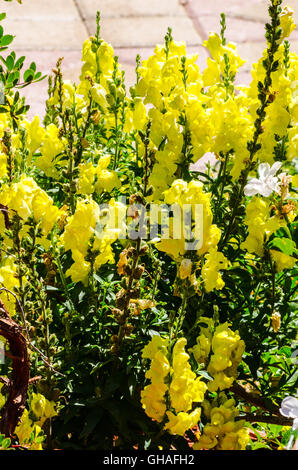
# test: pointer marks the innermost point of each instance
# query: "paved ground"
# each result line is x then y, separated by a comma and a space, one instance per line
48, 29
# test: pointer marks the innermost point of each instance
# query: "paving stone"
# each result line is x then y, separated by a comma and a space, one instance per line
116, 8
258, 11
33, 9
36, 96
294, 46
145, 31
243, 78
48, 29
216, 7
238, 30
251, 52
202, 55
255, 10
42, 34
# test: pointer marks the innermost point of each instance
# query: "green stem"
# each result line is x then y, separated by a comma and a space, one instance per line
72, 308
174, 332
223, 170
264, 96
129, 287
116, 141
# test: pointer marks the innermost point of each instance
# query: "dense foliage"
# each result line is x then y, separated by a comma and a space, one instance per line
153, 340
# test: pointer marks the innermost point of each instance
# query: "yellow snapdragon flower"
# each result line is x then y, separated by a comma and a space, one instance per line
260, 225
171, 375
52, 146
9, 280
181, 193
223, 432
27, 199
226, 348
42, 408
35, 134
215, 261
86, 178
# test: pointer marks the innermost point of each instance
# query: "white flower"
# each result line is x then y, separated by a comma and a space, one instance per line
289, 408
267, 182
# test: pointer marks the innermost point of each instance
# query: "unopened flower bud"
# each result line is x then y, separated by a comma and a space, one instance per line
275, 321
185, 268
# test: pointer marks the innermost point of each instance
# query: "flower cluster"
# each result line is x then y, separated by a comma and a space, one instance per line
29, 431
261, 224
51, 145
9, 281
281, 114
153, 395
222, 432
226, 350
215, 262
174, 387
27, 199
182, 196
91, 229
199, 234
170, 81
97, 179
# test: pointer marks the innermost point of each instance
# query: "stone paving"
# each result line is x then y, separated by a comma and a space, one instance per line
48, 29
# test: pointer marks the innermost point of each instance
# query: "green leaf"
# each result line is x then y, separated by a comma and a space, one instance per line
16, 97
282, 232
98, 279
9, 62
6, 443
19, 63
286, 436
39, 79
6, 40
2, 16
28, 75
285, 245
12, 79
35, 79
22, 110
293, 380
92, 420
49, 288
